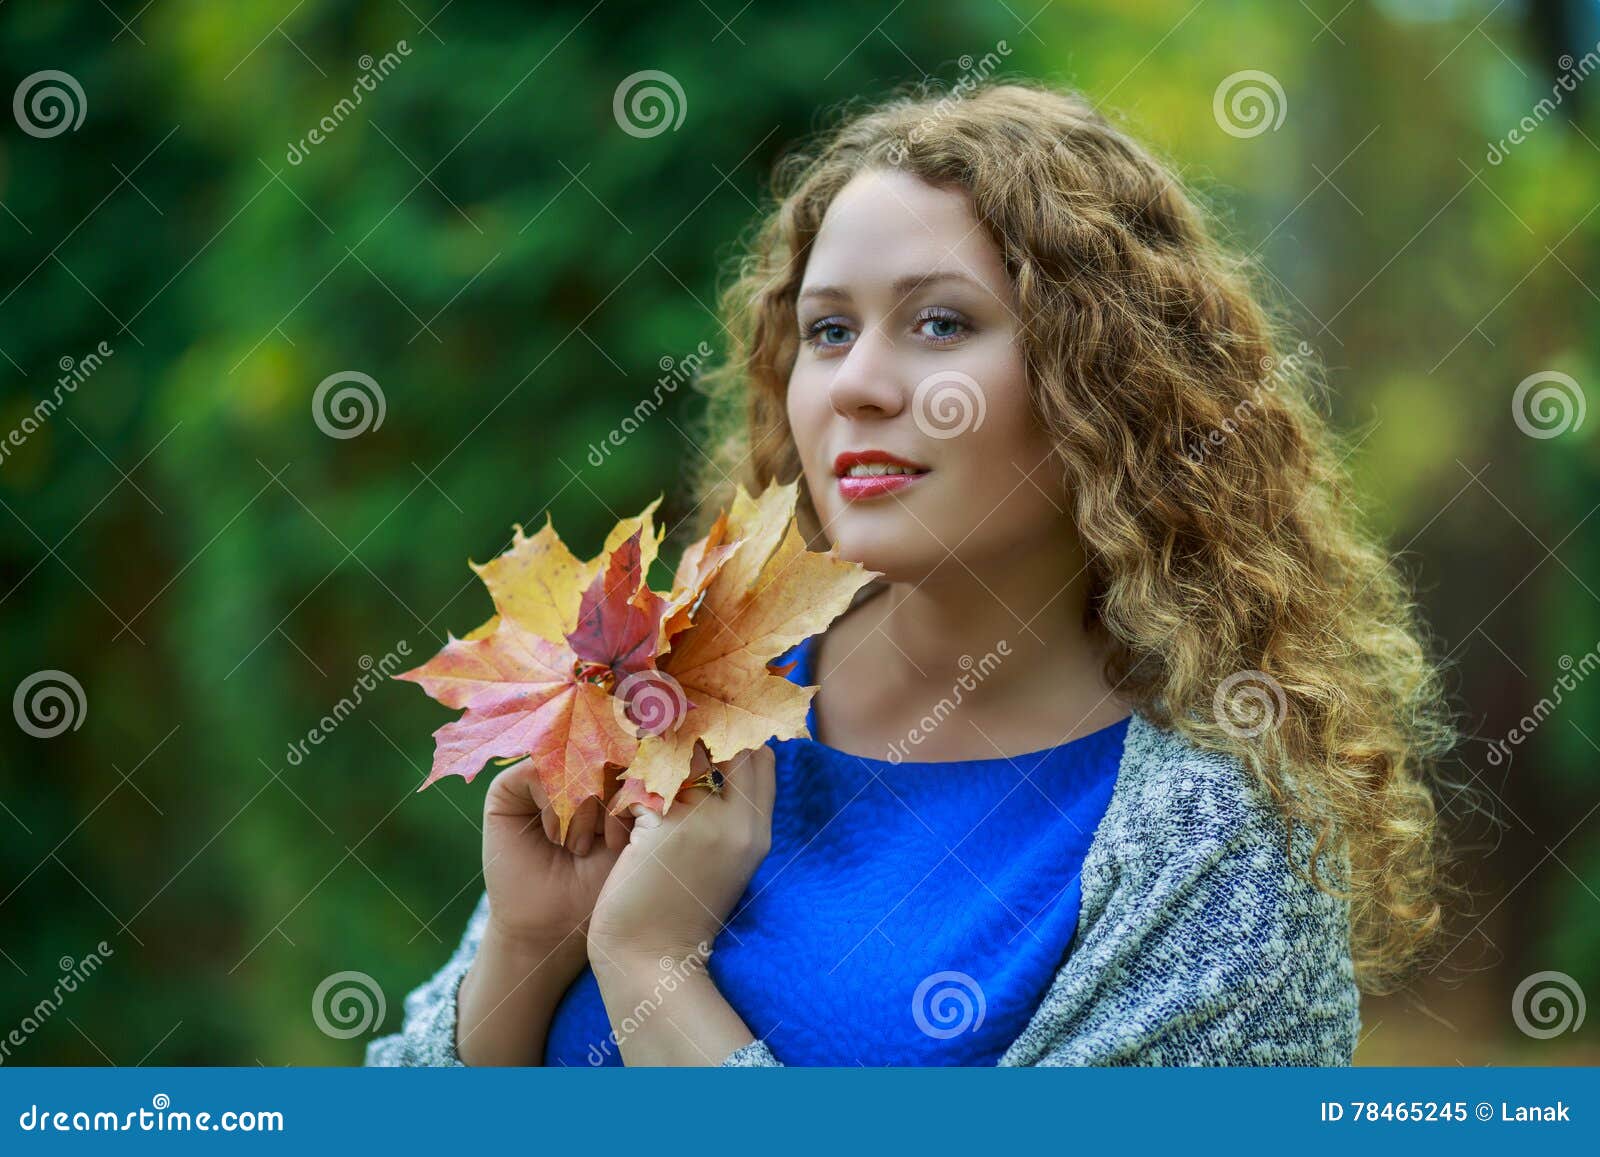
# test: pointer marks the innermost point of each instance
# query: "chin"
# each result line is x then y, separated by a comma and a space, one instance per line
891, 543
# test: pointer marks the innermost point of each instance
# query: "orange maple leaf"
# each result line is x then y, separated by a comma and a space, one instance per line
535, 681
584, 668
754, 591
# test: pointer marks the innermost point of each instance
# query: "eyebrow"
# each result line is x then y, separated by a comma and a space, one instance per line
902, 287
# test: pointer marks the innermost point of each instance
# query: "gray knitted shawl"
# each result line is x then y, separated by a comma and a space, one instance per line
1197, 943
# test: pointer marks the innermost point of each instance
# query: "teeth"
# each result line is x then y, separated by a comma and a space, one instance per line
873, 469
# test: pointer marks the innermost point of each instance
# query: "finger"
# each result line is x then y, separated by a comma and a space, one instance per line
684, 805
643, 818
580, 828
751, 779
515, 794
764, 765
547, 814
618, 829
688, 801
508, 794
701, 768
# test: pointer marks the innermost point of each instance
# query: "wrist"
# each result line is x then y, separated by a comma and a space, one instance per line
534, 953
508, 996
647, 959
697, 1025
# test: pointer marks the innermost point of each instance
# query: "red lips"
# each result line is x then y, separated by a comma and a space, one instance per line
874, 485
862, 457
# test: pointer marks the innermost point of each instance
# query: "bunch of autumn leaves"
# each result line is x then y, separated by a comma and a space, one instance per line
608, 687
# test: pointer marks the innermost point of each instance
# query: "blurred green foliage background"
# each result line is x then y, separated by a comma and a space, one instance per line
481, 238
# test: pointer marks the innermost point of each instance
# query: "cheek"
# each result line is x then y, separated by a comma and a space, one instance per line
1010, 460
806, 427
794, 409
807, 418
1010, 435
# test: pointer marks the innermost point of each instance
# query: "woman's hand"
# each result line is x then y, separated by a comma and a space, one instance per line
541, 892
541, 895
679, 877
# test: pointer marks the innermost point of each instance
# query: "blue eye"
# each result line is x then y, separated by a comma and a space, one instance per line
827, 332
937, 326
942, 326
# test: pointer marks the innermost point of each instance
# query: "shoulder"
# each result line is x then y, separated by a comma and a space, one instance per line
1198, 940
1175, 801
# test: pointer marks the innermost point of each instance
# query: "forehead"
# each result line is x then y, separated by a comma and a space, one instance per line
884, 225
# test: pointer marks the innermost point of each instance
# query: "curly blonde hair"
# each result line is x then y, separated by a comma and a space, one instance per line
1228, 572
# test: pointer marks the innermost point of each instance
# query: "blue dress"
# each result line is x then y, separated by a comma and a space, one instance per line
906, 913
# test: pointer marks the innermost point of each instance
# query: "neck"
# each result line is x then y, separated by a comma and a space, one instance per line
1026, 608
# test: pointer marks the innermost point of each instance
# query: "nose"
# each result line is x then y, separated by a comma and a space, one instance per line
866, 384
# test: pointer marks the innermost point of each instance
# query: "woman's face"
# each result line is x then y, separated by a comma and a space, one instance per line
911, 359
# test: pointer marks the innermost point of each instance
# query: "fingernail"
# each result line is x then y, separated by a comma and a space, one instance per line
584, 840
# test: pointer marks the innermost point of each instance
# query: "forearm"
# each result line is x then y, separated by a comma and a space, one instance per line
509, 996
665, 1009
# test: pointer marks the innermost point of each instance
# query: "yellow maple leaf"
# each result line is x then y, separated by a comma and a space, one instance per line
759, 599
535, 682
538, 580
583, 667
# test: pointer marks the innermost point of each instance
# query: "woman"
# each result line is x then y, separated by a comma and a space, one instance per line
1123, 760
